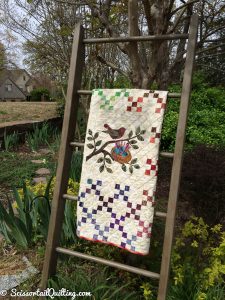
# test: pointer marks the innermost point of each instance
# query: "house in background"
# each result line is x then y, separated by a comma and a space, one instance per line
16, 85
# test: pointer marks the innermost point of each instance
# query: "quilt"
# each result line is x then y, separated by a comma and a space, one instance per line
119, 173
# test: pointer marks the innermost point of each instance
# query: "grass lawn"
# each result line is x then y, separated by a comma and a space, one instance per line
19, 111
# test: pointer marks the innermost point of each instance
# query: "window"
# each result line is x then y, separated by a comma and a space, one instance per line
24, 78
8, 87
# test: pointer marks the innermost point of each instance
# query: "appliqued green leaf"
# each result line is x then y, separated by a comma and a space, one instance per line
138, 130
135, 146
96, 135
101, 168
90, 146
90, 131
90, 138
108, 160
101, 159
130, 134
109, 170
136, 166
124, 168
140, 138
131, 169
133, 142
98, 143
133, 161
143, 131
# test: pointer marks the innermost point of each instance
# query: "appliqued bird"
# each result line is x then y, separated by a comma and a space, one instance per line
114, 133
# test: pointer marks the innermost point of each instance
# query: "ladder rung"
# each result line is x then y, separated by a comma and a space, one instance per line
167, 154
77, 144
109, 263
89, 92
125, 39
160, 214
164, 154
69, 197
75, 198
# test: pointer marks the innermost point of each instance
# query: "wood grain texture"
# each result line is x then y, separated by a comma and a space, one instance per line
109, 263
178, 157
65, 153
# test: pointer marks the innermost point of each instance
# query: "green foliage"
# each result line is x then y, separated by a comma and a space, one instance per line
15, 169
39, 93
198, 262
39, 137
99, 284
18, 229
10, 141
76, 166
60, 106
33, 217
121, 81
205, 121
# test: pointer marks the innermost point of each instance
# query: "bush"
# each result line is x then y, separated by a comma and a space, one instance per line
198, 262
205, 121
202, 184
39, 94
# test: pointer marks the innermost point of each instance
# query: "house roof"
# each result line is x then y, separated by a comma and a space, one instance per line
13, 74
7, 78
32, 81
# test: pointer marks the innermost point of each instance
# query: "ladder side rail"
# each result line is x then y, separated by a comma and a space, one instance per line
178, 158
65, 154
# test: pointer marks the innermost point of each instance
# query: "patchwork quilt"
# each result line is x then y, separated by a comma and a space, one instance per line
119, 173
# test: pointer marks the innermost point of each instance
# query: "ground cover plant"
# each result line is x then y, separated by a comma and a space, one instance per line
17, 167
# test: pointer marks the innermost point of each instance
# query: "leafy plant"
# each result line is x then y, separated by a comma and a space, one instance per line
19, 228
39, 136
76, 166
33, 217
198, 261
99, 284
10, 140
39, 94
205, 120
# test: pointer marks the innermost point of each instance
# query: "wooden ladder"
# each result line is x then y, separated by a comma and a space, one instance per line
67, 146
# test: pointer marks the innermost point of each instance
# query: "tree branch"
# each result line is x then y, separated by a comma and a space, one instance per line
210, 48
182, 6
111, 65
101, 150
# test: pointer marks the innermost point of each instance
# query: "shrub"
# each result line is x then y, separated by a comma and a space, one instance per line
205, 120
40, 188
40, 93
198, 262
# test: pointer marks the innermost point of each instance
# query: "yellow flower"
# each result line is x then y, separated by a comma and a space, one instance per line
194, 244
202, 296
